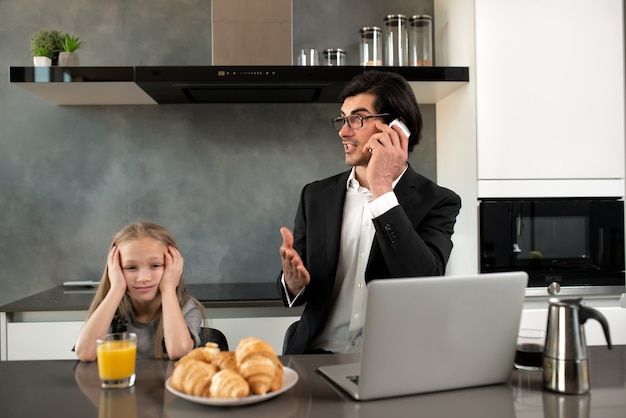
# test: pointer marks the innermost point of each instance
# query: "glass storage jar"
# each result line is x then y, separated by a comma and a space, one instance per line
334, 56
396, 40
421, 41
371, 46
308, 56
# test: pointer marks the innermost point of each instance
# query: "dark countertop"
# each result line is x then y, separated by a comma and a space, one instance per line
214, 295
67, 388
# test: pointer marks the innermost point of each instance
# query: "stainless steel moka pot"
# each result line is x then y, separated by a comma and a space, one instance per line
565, 367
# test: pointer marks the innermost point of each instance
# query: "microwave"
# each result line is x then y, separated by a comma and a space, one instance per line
570, 242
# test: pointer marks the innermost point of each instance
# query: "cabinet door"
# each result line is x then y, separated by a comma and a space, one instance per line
550, 90
42, 340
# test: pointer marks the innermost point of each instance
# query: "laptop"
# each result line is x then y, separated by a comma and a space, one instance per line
430, 334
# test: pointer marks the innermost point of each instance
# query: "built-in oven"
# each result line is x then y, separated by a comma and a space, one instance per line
577, 243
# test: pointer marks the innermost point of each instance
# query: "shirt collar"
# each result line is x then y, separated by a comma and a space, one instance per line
354, 183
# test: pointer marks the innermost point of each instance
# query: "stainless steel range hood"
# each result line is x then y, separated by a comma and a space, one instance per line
218, 84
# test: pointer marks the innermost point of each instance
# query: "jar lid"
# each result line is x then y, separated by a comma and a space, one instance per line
335, 51
365, 29
396, 17
420, 17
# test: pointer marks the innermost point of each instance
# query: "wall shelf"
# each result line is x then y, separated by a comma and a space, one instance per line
81, 85
213, 84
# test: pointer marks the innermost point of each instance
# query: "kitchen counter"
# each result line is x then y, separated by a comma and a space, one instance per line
78, 298
62, 388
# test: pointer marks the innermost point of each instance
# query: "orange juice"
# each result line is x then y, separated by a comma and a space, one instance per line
116, 359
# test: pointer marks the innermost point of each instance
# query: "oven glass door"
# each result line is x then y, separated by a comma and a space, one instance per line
578, 242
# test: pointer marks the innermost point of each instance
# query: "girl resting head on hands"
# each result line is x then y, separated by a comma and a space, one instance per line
142, 291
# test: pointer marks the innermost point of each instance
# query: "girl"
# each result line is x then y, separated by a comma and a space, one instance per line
142, 291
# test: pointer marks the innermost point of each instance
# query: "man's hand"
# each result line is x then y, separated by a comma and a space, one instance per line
296, 275
390, 153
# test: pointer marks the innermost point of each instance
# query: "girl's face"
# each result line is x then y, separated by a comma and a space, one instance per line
143, 263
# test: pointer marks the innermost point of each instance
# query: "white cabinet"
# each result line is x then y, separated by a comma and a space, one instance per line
549, 98
51, 335
42, 340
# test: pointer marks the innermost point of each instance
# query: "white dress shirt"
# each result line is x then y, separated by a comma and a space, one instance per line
343, 331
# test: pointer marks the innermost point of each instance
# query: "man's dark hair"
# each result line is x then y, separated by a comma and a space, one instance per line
393, 94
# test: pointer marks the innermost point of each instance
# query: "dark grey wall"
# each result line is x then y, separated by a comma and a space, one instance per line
222, 178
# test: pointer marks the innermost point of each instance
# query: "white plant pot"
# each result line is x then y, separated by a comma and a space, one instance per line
42, 61
68, 59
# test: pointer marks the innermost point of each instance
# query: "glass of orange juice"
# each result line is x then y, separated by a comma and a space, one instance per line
116, 359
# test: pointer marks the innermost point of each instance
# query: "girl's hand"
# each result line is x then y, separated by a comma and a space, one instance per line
173, 269
116, 275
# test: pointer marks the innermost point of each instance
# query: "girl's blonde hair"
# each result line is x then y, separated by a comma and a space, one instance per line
131, 232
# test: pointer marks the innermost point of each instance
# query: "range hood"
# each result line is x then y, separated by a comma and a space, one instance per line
235, 84
286, 84
218, 84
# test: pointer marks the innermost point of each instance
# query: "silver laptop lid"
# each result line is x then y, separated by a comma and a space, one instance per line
437, 333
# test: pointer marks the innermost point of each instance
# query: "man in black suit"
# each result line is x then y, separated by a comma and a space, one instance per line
378, 220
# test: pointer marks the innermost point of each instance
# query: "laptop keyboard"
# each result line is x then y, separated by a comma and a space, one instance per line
353, 379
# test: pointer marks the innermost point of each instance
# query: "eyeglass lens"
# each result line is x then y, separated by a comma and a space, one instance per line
353, 121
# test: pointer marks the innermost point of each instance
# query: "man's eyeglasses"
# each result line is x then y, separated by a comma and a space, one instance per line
353, 121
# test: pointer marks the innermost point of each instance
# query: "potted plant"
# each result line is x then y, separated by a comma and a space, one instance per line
48, 41
40, 57
68, 56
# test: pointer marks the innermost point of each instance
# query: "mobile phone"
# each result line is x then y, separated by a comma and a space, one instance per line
402, 127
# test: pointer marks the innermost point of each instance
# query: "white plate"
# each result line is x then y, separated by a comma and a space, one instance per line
289, 380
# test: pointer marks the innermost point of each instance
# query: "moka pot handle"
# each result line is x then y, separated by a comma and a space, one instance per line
586, 312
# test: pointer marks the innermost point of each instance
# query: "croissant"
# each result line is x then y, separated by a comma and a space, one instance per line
205, 353
258, 364
228, 383
206, 371
193, 376
277, 383
180, 369
225, 360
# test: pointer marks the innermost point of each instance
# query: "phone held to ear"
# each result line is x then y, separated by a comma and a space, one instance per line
402, 127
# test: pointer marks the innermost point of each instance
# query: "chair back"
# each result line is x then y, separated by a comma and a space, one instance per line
289, 333
213, 335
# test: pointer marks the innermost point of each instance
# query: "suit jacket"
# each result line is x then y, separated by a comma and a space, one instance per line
412, 239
